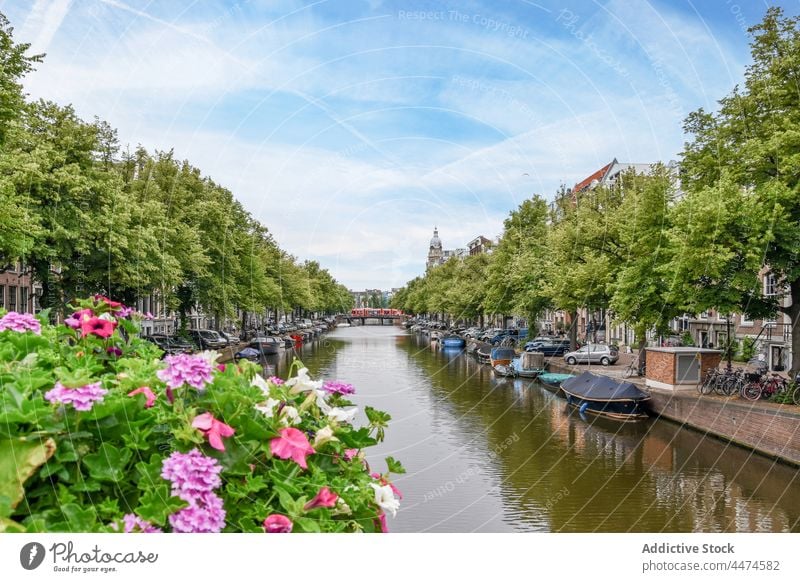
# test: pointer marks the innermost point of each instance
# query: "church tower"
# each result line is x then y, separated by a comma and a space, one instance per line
435, 253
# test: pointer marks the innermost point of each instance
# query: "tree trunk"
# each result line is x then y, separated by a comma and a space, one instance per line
641, 344
794, 315
573, 330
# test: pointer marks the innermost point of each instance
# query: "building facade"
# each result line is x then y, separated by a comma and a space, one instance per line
17, 291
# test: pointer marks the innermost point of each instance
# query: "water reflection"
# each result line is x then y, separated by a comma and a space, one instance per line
496, 454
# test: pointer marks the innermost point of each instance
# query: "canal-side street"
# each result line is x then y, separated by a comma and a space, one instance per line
490, 454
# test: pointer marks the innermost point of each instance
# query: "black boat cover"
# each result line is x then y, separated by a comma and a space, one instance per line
593, 387
503, 353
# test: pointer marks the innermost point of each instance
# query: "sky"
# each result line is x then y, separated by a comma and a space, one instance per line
351, 128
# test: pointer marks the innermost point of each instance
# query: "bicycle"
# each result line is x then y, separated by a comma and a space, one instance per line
634, 369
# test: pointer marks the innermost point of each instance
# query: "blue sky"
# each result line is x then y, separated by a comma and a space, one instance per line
350, 128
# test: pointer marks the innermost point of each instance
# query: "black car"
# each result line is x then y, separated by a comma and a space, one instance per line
170, 345
549, 348
207, 339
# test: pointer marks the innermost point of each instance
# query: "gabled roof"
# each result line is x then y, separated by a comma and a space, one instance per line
598, 176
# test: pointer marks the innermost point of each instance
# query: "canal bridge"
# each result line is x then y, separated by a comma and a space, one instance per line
372, 319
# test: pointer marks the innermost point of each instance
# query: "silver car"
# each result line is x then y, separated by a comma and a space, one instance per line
593, 354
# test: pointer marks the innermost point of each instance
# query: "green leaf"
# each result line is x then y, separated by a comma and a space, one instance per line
19, 459
108, 463
306, 524
10, 526
157, 504
356, 439
394, 466
79, 519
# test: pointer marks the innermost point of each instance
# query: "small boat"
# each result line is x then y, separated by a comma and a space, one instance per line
251, 354
502, 356
605, 396
553, 380
453, 341
529, 365
483, 352
266, 345
504, 370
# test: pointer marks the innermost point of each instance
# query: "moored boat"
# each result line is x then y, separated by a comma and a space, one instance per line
502, 356
529, 365
504, 370
453, 341
552, 381
266, 345
606, 397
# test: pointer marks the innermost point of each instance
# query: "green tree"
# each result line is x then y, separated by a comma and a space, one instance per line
749, 152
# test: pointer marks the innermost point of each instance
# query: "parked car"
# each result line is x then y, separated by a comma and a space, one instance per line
472, 332
593, 354
515, 334
489, 333
231, 338
548, 348
207, 339
171, 345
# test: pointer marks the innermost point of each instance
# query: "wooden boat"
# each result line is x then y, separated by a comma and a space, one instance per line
484, 353
606, 397
453, 341
504, 370
529, 365
502, 356
266, 345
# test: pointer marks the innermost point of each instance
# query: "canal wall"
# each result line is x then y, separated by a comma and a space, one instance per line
768, 428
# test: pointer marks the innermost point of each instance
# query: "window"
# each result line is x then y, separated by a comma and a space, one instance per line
770, 285
12, 298
23, 302
704, 315
3, 296
745, 320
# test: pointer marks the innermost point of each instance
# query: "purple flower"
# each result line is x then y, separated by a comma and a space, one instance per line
20, 322
185, 369
135, 524
205, 514
125, 312
275, 380
337, 387
191, 473
81, 398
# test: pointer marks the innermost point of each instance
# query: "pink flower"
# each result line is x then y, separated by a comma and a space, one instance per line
324, 498
192, 473
337, 387
149, 394
148, 315
20, 322
107, 301
382, 522
349, 454
205, 514
97, 326
186, 369
125, 312
275, 380
213, 429
291, 444
221, 367
277, 523
114, 350
74, 321
81, 398
134, 523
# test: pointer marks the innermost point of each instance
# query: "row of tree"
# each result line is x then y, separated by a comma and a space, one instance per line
655, 246
85, 218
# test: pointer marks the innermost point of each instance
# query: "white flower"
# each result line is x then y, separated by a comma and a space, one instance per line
343, 414
107, 317
384, 497
324, 436
341, 508
268, 408
289, 416
210, 356
323, 405
260, 383
302, 382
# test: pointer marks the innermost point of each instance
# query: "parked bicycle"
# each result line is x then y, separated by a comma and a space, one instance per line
767, 387
634, 369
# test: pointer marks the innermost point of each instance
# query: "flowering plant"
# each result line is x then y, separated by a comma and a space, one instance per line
99, 434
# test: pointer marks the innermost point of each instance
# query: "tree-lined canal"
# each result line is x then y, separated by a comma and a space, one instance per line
494, 455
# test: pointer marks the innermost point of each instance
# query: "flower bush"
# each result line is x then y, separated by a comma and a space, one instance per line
98, 433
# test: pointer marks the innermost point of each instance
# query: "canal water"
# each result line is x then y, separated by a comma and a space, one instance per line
496, 455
